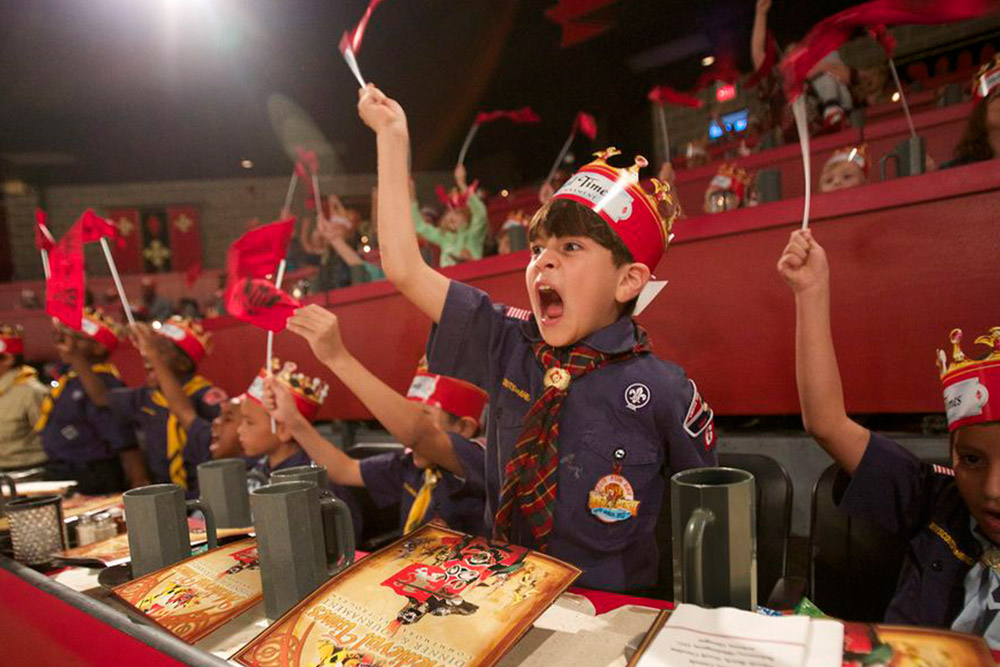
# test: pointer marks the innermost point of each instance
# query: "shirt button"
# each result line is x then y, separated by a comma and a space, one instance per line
620, 454
937, 566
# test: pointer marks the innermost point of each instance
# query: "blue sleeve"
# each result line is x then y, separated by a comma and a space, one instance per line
208, 402
892, 487
115, 429
686, 422
383, 478
357, 518
126, 402
472, 455
199, 441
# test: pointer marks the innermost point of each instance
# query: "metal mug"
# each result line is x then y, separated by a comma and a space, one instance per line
714, 537
910, 156
288, 519
223, 486
156, 519
37, 529
341, 546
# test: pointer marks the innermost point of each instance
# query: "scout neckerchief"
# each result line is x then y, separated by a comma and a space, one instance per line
530, 476
982, 593
25, 374
176, 434
49, 401
422, 503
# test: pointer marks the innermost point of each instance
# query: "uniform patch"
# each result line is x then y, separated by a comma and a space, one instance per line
942, 470
517, 313
214, 396
699, 415
637, 396
612, 499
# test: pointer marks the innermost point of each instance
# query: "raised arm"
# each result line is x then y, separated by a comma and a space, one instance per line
405, 419
404, 266
758, 38
93, 385
177, 401
804, 266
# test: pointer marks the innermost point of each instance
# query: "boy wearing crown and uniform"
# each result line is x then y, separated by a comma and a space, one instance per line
440, 472
461, 231
163, 411
21, 396
86, 442
585, 420
950, 517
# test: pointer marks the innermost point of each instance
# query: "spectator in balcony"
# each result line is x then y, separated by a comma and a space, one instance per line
30, 300
550, 186
729, 189
981, 140
335, 231
461, 231
846, 168
871, 86
154, 306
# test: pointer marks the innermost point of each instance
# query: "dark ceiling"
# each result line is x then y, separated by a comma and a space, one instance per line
134, 90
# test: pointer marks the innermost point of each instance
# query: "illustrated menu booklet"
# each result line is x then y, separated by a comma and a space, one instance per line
434, 597
192, 598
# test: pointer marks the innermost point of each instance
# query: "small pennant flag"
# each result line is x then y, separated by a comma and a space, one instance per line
43, 237
258, 252
885, 39
64, 290
586, 125
354, 38
517, 116
666, 95
95, 228
258, 302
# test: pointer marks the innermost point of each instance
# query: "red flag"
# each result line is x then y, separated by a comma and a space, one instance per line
308, 158
64, 290
258, 302
258, 252
885, 39
666, 95
517, 116
43, 237
832, 32
353, 38
770, 60
581, 20
586, 125
94, 228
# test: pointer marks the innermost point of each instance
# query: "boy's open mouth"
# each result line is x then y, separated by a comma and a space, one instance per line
550, 304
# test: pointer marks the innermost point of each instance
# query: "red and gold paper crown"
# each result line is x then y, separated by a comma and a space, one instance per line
96, 325
971, 386
458, 397
617, 196
308, 393
11, 340
856, 154
732, 178
455, 198
186, 334
987, 79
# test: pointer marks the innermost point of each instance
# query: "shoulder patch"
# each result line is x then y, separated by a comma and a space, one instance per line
943, 470
698, 419
517, 313
214, 396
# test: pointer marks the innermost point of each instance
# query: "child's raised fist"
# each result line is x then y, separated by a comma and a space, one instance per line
321, 330
279, 402
144, 339
803, 263
379, 112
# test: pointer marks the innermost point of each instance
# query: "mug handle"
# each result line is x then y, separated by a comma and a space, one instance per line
9, 481
331, 506
199, 504
694, 566
885, 158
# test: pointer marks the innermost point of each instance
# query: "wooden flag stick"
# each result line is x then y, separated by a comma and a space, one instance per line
662, 115
291, 192
902, 97
352, 63
270, 334
799, 111
562, 155
117, 279
467, 143
319, 206
45, 263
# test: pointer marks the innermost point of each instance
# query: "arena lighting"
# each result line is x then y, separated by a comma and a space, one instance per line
367, 248
504, 193
157, 324
725, 92
247, 164
708, 61
895, 96
364, 239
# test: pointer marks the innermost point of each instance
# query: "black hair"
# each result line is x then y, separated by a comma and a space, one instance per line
974, 145
563, 217
453, 419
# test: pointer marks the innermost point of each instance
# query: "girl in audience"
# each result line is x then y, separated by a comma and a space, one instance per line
981, 140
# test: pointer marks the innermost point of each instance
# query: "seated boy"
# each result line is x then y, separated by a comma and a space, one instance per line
580, 407
164, 410
846, 168
21, 396
440, 474
951, 518
223, 433
85, 442
461, 231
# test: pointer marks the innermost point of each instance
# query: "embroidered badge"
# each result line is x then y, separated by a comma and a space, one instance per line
637, 396
214, 396
699, 414
612, 499
517, 313
558, 378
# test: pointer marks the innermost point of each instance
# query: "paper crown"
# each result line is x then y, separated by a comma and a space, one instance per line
617, 196
186, 334
987, 79
732, 178
856, 154
970, 384
308, 393
96, 325
455, 198
458, 397
11, 340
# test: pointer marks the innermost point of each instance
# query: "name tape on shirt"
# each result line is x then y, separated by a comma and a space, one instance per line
698, 420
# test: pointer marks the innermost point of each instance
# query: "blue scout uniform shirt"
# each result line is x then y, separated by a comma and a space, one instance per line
395, 478
78, 431
921, 503
150, 419
643, 414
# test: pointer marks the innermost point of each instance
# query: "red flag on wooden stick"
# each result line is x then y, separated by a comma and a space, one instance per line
666, 95
43, 237
517, 116
355, 37
258, 302
885, 39
94, 228
64, 290
258, 252
586, 125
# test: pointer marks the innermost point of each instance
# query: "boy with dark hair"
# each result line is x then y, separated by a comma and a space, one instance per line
440, 472
21, 396
949, 517
585, 421
85, 442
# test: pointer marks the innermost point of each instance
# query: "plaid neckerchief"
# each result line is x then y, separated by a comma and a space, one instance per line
530, 478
